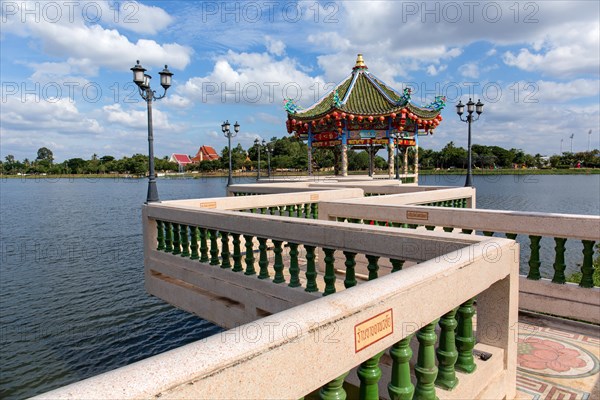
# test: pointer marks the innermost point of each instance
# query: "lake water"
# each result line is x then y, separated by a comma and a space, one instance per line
72, 299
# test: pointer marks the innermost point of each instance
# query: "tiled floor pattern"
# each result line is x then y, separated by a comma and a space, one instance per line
557, 360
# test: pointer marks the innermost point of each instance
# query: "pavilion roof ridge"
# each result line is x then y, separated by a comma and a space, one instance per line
327, 94
377, 83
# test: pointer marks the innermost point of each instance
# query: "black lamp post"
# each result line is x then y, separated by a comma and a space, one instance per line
371, 157
228, 134
257, 143
396, 160
471, 107
142, 80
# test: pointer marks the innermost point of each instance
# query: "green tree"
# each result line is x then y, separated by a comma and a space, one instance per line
45, 154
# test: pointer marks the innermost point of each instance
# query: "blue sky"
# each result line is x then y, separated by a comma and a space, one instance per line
66, 83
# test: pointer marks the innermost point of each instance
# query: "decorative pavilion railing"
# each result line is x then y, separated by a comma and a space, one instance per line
194, 259
544, 287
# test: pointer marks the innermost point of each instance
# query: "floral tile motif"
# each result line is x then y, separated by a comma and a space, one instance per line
556, 363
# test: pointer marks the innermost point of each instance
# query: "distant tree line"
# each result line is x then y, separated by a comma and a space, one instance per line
288, 153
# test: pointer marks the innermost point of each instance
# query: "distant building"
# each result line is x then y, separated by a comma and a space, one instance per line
181, 159
205, 153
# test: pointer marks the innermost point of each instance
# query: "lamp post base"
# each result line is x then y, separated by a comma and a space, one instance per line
152, 196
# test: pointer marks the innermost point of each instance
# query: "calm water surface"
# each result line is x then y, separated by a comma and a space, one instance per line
72, 301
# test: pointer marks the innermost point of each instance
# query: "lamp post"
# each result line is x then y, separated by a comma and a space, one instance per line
142, 80
371, 158
257, 143
396, 160
269, 150
228, 134
471, 107
571, 137
561, 142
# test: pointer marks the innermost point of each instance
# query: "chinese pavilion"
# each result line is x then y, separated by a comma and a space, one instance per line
364, 113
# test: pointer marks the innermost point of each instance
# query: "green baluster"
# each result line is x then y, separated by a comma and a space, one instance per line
587, 268
249, 255
194, 245
311, 271
396, 264
329, 271
446, 353
488, 233
334, 390
168, 237
237, 253
271, 210
176, 242
307, 210
294, 269
278, 263
467, 231
511, 236
214, 248
185, 242
160, 235
203, 245
464, 203
373, 267
291, 209
350, 272
429, 227
263, 261
448, 229
314, 210
425, 370
559, 261
263, 211
400, 386
465, 341
369, 374
534, 258
225, 262
299, 210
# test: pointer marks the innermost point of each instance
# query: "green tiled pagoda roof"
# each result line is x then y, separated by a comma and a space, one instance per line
368, 96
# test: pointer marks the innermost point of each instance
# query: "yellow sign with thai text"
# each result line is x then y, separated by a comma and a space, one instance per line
420, 215
373, 330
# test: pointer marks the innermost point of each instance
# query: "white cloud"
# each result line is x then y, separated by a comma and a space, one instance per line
253, 78
469, 70
275, 47
432, 70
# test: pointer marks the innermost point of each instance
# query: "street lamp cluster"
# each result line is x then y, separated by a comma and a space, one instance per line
460, 109
229, 134
142, 80
269, 150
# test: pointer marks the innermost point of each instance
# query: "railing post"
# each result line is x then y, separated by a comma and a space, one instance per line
396, 264
311, 270
225, 262
400, 386
194, 246
369, 375
334, 390
294, 269
464, 337
329, 271
446, 353
559, 261
168, 237
176, 242
534, 258
425, 370
263, 261
373, 267
237, 253
203, 245
350, 273
214, 248
278, 262
185, 242
249, 244
160, 235
587, 268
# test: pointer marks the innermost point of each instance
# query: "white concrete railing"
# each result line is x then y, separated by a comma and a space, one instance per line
269, 365
542, 295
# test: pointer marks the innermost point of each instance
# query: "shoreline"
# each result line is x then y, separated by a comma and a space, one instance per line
477, 172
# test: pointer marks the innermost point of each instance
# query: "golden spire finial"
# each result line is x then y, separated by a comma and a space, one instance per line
360, 63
